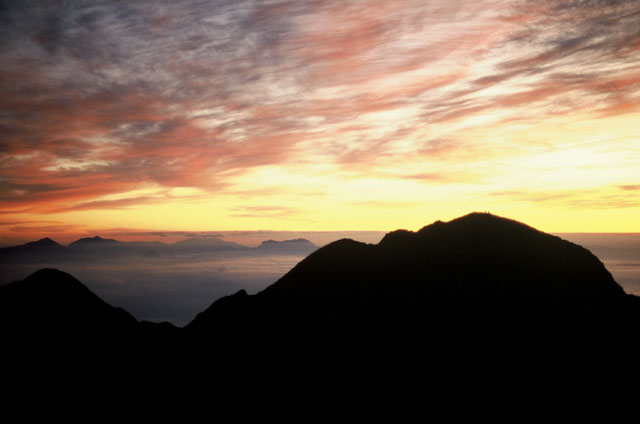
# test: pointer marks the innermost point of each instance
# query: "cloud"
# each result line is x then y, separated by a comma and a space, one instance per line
383, 203
112, 204
591, 199
103, 98
631, 187
262, 211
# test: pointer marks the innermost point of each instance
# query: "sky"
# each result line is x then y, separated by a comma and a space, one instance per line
317, 115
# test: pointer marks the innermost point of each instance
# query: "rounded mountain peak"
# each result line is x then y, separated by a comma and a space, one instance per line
476, 254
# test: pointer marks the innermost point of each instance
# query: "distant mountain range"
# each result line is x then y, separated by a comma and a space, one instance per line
479, 319
47, 248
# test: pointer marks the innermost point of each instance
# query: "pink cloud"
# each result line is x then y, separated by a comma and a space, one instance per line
110, 113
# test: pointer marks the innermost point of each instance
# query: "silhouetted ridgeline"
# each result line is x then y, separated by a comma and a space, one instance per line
481, 318
91, 248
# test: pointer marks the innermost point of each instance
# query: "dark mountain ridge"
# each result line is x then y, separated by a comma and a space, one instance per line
286, 243
43, 242
464, 316
94, 241
478, 257
50, 301
99, 251
479, 318
474, 253
88, 244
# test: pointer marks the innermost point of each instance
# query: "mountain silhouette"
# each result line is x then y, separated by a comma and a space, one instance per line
43, 242
17, 261
207, 243
481, 318
44, 245
94, 242
287, 246
62, 343
51, 303
476, 258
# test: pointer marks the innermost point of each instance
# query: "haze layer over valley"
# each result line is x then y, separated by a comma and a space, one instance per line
172, 282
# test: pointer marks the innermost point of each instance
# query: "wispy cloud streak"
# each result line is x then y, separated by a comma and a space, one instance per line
103, 98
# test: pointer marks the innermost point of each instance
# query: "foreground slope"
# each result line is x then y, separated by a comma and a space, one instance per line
65, 350
51, 303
